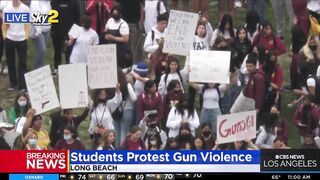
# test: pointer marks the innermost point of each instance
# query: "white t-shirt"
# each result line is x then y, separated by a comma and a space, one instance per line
42, 7
210, 99
314, 5
151, 13
200, 43
311, 82
112, 25
151, 45
16, 31
85, 39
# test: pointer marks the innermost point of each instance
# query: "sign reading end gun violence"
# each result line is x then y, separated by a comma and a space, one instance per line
180, 32
102, 66
236, 127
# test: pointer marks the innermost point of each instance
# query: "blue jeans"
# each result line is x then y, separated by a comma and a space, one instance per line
210, 116
259, 9
40, 43
122, 126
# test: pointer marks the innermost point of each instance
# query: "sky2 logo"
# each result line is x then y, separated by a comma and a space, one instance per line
45, 19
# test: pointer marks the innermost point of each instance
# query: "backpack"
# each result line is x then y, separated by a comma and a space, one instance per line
118, 113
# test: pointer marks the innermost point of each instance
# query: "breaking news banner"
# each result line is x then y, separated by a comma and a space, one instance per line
164, 161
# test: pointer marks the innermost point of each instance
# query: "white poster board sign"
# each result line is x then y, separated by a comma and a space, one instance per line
180, 32
73, 87
242, 104
74, 31
236, 127
209, 66
42, 93
102, 66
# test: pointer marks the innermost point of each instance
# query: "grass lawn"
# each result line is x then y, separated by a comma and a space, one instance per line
7, 97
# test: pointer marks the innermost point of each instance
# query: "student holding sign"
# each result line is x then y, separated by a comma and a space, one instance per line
34, 124
87, 37
101, 118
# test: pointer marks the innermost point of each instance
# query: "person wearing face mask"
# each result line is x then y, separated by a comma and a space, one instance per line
117, 32
185, 137
87, 37
153, 136
20, 108
101, 119
69, 141
183, 112
170, 99
34, 124
30, 142
206, 133
59, 120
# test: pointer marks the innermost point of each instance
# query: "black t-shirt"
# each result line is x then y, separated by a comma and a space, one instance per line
130, 10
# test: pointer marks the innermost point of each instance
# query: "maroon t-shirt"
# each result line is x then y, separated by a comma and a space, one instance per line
63, 145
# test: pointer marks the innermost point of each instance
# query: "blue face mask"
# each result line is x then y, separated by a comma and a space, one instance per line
67, 137
32, 142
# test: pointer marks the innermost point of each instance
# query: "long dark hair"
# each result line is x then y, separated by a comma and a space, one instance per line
269, 66
246, 40
226, 19
123, 84
298, 38
191, 110
172, 58
95, 96
172, 84
252, 19
17, 107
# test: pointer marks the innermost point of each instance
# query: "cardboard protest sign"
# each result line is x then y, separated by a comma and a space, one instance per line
236, 127
102, 66
180, 32
242, 104
73, 87
42, 93
209, 66
74, 31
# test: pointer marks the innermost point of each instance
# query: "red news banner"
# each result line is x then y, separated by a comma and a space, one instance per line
19, 161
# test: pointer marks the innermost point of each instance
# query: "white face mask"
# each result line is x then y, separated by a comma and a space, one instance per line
153, 143
67, 137
32, 142
22, 103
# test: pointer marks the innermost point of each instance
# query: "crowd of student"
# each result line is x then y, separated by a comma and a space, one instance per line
154, 104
